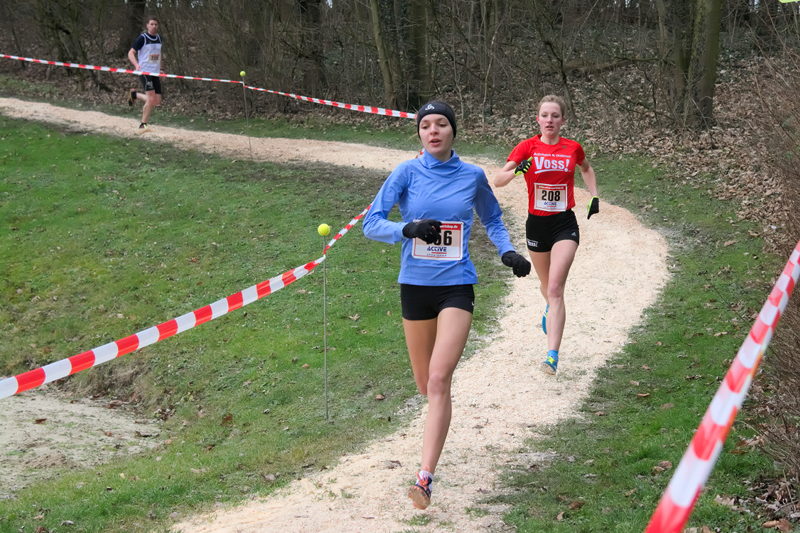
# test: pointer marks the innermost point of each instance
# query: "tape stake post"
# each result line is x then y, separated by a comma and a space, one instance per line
690, 476
72, 365
325, 331
246, 118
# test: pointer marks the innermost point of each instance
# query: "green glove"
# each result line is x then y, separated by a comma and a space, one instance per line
594, 207
523, 167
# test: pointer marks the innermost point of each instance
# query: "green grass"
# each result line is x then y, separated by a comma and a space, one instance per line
104, 237
649, 399
101, 227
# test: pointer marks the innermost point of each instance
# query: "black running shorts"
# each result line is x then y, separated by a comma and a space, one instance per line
542, 232
420, 302
151, 83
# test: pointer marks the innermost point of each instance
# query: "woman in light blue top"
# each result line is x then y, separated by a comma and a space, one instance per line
437, 194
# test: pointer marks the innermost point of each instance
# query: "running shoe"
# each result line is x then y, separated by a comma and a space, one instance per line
143, 128
420, 492
544, 318
131, 97
550, 364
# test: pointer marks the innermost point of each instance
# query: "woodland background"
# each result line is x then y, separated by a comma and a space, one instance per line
709, 87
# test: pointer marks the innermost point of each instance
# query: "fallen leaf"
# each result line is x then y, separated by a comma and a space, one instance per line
782, 525
574, 506
227, 420
306, 365
354, 317
728, 243
39, 421
560, 516
727, 501
380, 397
643, 394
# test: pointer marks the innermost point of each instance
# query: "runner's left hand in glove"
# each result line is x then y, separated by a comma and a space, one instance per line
520, 265
594, 207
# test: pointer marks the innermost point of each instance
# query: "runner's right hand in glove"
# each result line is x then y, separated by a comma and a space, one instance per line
428, 230
520, 265
523, 167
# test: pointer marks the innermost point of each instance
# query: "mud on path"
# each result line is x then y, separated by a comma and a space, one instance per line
497, 393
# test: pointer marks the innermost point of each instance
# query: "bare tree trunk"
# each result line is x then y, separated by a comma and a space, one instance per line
134, 22
314, 73
674, 45
421, 89
702, 74
389, 83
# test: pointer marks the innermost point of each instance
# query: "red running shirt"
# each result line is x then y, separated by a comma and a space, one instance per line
551, 178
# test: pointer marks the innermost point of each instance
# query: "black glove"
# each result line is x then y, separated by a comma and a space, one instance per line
523, 167
520, 265
428, 230
594, 207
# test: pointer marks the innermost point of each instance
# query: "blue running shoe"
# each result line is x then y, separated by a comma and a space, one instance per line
544, 318
420, 492
550, 365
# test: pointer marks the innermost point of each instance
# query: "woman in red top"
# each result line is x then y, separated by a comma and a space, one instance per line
548, 162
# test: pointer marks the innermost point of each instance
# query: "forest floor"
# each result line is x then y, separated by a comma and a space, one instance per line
498, 392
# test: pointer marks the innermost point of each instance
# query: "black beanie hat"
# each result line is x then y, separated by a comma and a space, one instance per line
437, 107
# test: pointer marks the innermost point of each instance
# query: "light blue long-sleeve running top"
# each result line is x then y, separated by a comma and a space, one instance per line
428, 188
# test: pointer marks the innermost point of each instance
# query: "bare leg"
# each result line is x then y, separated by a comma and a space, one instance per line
561, 258
435, 347
451, 338
420, 337
541, 264
151, 101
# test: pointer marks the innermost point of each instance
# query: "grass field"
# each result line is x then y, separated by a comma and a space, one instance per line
120, 236
117, 236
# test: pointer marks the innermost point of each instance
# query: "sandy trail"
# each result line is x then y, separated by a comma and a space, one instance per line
497, 393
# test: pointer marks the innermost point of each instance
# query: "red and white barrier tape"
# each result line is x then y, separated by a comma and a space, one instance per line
353, 107
137, 341
690, 476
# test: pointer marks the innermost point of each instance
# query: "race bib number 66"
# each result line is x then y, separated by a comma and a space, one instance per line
446, 248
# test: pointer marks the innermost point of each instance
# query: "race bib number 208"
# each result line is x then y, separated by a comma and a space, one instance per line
446, 248
550, 197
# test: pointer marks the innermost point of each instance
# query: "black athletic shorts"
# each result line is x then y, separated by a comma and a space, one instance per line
151, 83
420, 302
542, 232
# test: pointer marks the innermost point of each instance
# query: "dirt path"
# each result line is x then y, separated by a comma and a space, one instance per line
497, 393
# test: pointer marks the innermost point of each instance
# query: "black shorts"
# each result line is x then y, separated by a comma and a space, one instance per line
542, 232
424, 302
151, 83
